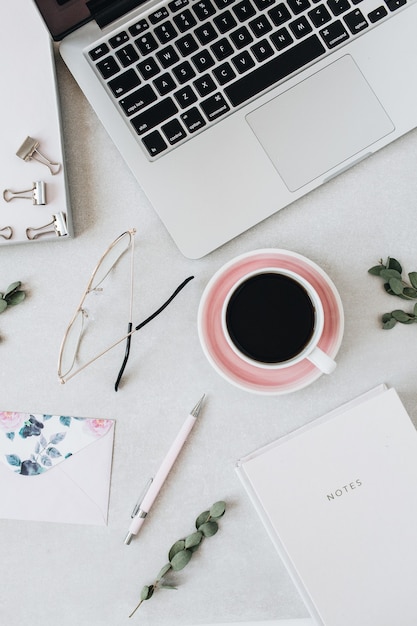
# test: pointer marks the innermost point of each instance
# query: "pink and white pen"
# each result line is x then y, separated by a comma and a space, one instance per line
142, 508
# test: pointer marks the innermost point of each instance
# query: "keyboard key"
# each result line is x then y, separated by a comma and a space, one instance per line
274, 70
214, 107
337, 7
127, 55
165, 32
154, 143
393, 5
298, 6
319, 15
205, 34
108, 67
148, 68
203, 9
241, 37
203, 60
164, 84
173, 131
225, 22
222, 49
355, 21
183, 72
300, 27
260, 26
279, 14
193, 120
377, 14
124, 83
138, 100
185, 97
167, 57
243, 62
177, 5
99, 51
263, 4
158, 16
138, 28
281, 39
334, 34
262, 50
146, 44
118, 39
185, 20
244, 10
186, 45
224, 73
155, 115
204, 85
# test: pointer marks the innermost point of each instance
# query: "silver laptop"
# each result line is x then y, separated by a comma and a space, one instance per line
228, 110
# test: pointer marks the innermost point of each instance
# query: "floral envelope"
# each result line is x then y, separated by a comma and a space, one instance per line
55, 468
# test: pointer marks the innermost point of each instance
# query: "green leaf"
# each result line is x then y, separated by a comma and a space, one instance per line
400, 316
147, 592
177, 547
393, 264
202, 518
181, 559
376, 269
387, 274
164, 570
3, 305
193, 540
209, 528
413, 279
415, 309
12, 288
15, 298
409, 292
389, 324
14, 460
396, 285
166, 586
218, 509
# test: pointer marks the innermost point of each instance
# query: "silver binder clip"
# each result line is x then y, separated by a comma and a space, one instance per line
29, 150
37, 194
6, 232
58, 226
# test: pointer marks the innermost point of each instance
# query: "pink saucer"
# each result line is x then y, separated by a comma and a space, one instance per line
226, 362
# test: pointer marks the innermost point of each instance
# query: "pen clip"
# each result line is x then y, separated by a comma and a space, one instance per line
142, 495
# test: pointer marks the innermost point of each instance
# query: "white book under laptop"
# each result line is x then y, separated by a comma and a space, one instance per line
229, 110
339, 500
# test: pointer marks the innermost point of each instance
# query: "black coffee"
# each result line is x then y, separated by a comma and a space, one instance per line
270, 318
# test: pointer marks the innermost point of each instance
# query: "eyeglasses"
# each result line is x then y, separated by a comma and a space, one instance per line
72, 338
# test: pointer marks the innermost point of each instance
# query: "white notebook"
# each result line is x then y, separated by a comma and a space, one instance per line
339, 499
30, 108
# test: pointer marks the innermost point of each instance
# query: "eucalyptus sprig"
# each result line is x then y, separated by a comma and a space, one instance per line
182, 550
395, 285
12, 296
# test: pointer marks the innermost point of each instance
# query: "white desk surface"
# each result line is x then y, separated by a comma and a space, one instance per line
64, 574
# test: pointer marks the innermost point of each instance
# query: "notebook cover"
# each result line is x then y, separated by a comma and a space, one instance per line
339, 499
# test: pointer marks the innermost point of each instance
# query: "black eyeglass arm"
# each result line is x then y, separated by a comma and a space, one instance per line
146, 321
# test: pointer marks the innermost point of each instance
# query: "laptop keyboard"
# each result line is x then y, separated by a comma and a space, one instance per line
188, 64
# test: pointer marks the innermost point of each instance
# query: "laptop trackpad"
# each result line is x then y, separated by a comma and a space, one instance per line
319, 123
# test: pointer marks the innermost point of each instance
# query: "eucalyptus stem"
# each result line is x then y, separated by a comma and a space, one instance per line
182, 550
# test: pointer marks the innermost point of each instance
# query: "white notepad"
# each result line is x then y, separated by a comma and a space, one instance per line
339, 499
29, 107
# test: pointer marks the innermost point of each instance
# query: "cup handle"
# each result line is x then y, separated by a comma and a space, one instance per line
322, 360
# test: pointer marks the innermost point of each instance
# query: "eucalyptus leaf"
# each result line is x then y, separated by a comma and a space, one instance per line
218, 509
163, 571
177, 547
396, 285
209, 528
12, 288
181, 559
389, 324
400, 316
147, 592
3, 305
15, 298
202, 518
193, 540
410, 293
393, 264
413, 279
387, 274
376, 270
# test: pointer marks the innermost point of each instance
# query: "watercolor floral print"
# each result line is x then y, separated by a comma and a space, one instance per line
34, 443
